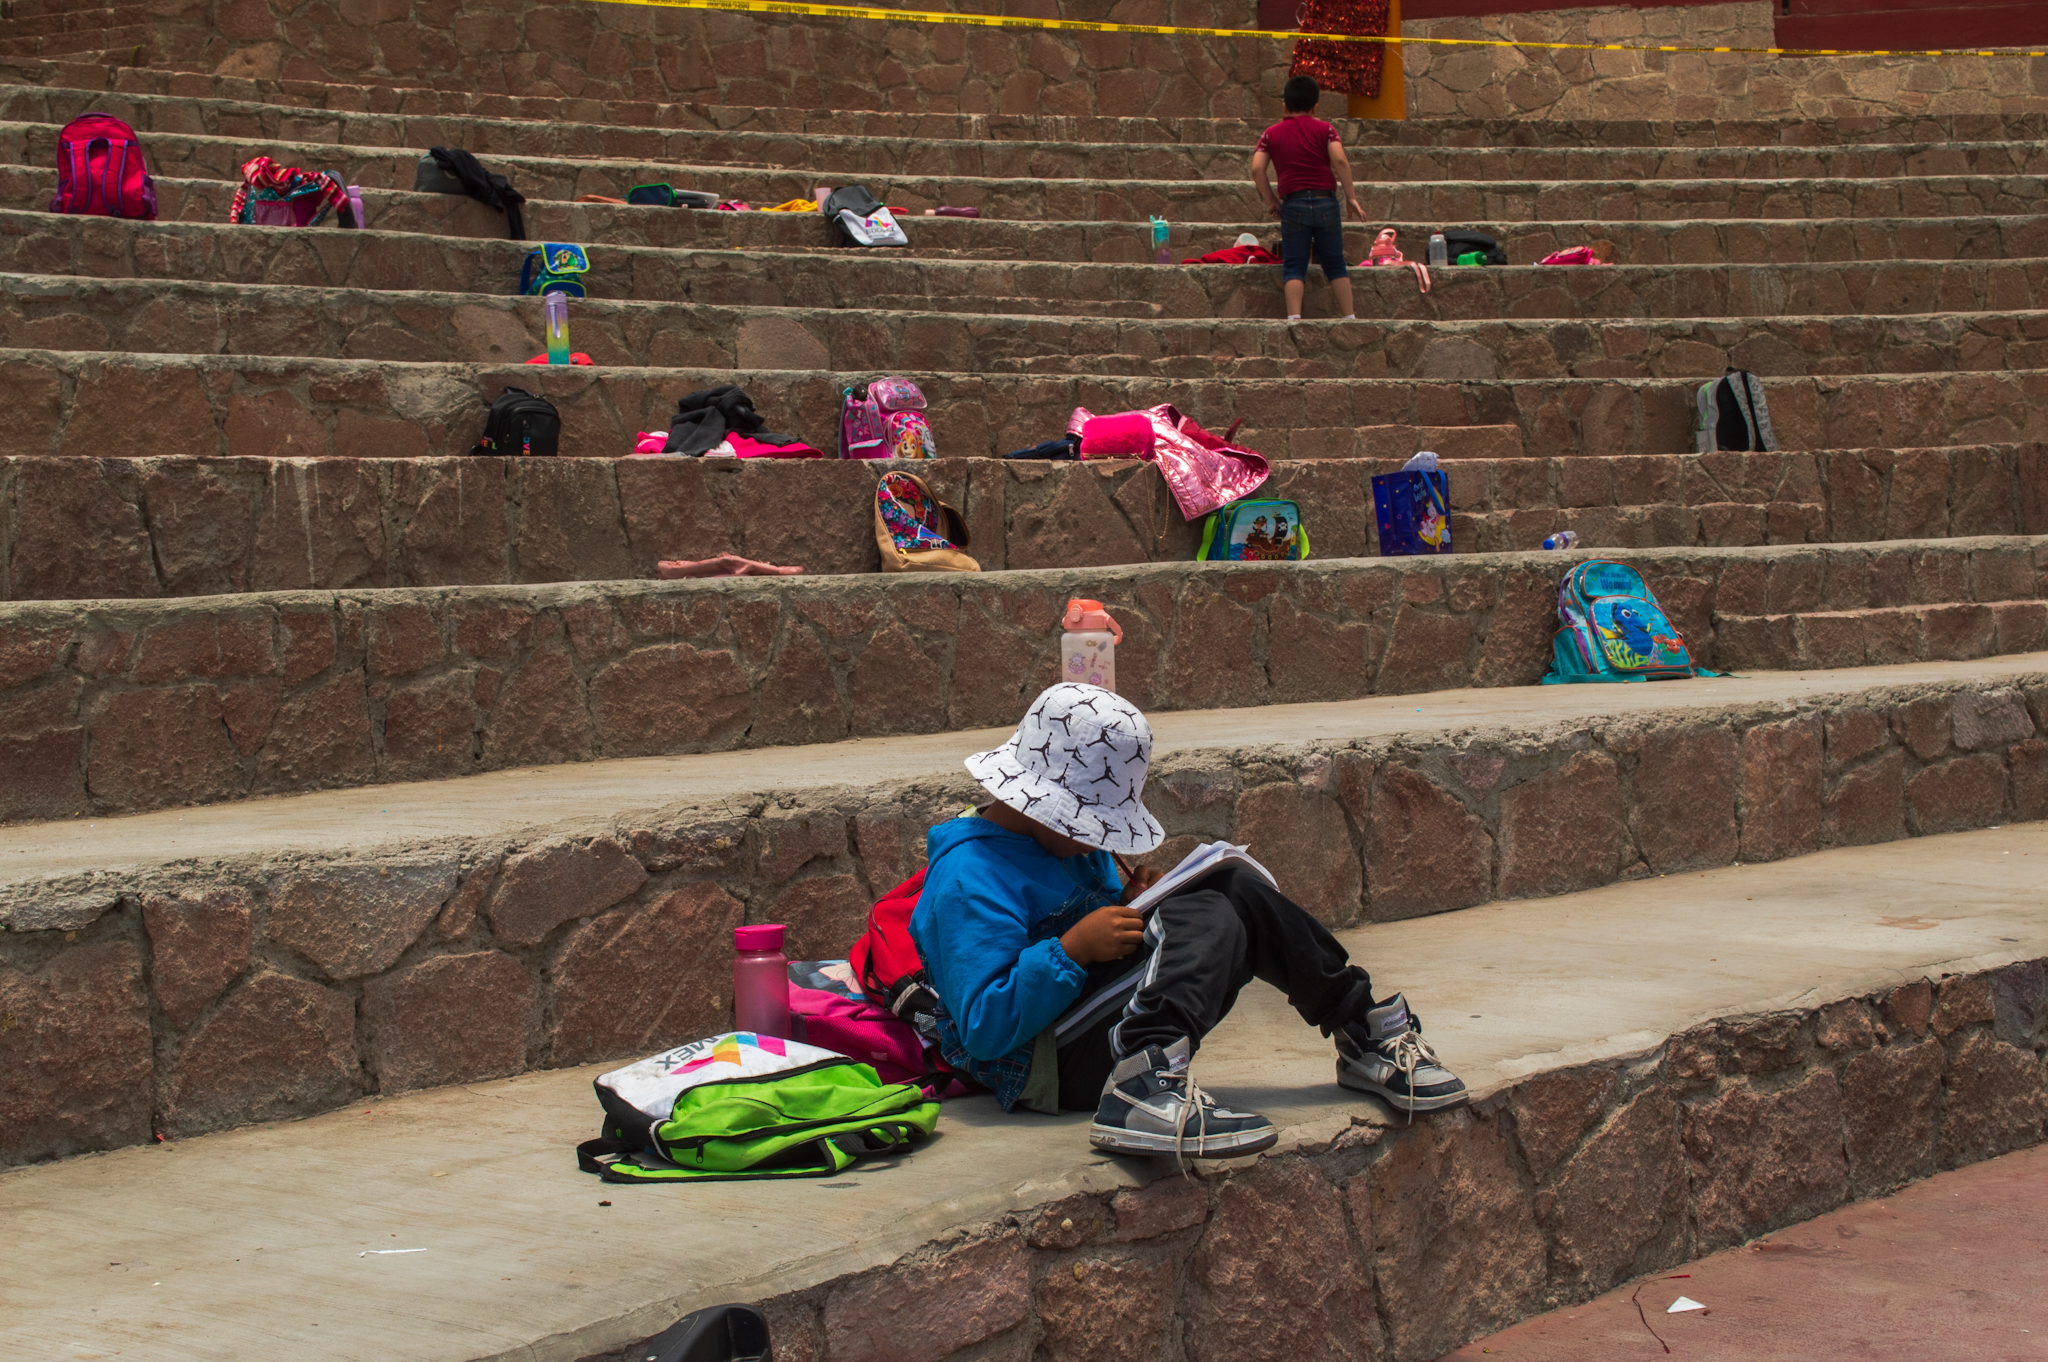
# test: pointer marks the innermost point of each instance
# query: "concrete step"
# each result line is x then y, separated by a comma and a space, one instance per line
1777, 1007
131, 705
84, 529
1694, 242
83, 403
209, 156
1731, 241
161, 317
1053, 158
191, 89
44, 243
1054, 153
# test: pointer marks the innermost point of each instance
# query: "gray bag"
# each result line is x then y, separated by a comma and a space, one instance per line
432, 178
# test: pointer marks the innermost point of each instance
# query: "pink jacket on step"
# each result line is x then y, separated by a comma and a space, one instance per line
1202, 471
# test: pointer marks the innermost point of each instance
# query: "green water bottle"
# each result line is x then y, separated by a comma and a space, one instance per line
555, 307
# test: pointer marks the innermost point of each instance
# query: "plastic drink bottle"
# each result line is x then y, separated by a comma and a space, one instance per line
1563, 539
1088, 647
760, 980
555, 307
355, 203
1439, 251
1161, 256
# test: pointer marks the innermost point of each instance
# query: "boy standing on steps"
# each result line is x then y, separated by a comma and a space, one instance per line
1310, 160
1058, 997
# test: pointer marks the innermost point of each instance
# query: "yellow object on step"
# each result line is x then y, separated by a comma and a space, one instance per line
793, 206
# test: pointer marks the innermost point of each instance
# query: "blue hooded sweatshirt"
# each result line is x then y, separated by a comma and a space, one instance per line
987, 926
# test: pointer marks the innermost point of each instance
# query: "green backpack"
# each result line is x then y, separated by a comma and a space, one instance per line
742, 1105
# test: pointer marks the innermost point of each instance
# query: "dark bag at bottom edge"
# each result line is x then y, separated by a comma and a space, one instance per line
523, 424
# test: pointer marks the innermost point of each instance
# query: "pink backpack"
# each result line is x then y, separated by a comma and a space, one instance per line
885, 420
100, 171
859, 1030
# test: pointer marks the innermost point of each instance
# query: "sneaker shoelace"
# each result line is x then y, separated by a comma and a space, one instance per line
1410, 1051
1192, 1098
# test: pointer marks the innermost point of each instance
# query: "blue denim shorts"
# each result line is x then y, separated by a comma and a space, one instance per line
1312, 221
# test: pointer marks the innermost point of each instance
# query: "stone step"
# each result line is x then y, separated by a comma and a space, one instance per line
208, 156
1696, 242
120, 706
537, 896
925, 156
163, 317
1799, 1054
85, 403
190, 89
44, 243
1769, 1008
1055, 153
82, 529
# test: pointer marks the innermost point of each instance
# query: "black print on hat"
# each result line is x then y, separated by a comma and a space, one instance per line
1042, 771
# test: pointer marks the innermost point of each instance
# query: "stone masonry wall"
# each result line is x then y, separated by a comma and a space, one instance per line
127, 705
1506, 82
618, 51
649, 54
197, 995
73, 529
1399, 1244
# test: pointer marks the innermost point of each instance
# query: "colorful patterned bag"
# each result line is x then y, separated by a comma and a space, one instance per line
916, 531
272, 195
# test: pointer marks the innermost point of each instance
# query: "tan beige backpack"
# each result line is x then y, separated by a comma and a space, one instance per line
915, 530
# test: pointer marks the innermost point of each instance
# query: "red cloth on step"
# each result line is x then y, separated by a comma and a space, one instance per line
1236, 255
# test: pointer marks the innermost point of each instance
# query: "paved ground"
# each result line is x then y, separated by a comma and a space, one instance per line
1953, 1269
591, 793
251, 1243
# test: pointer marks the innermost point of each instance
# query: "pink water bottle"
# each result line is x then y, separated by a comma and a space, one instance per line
760, 980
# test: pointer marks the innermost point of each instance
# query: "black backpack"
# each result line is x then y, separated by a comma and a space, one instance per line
1462, 243
521, 424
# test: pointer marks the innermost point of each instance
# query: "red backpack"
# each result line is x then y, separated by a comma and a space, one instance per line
885, 959
100, 171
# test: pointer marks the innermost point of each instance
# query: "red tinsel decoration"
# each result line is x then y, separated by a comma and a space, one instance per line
1351, 67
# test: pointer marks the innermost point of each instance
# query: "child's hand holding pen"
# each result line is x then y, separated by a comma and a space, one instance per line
1137, 879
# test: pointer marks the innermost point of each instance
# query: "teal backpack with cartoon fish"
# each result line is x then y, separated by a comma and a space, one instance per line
1251, 531
1614, 630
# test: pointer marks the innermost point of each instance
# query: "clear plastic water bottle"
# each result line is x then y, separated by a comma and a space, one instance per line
760, 980
555, 307
1439, 250
1160, 255
1563, 539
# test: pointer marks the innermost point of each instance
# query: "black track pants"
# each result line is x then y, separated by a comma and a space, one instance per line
1205, 944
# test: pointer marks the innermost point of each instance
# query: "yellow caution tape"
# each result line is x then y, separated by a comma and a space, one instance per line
911, 16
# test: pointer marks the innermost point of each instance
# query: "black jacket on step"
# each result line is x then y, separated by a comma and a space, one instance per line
485, 186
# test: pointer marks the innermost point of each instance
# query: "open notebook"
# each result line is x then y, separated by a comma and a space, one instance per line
1197, 863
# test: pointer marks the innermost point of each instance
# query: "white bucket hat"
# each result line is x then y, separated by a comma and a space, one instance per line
1077, 764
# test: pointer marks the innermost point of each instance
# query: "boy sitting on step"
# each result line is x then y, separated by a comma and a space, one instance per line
1058, 997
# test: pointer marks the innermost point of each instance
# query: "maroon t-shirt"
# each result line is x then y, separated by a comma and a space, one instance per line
1300, 148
